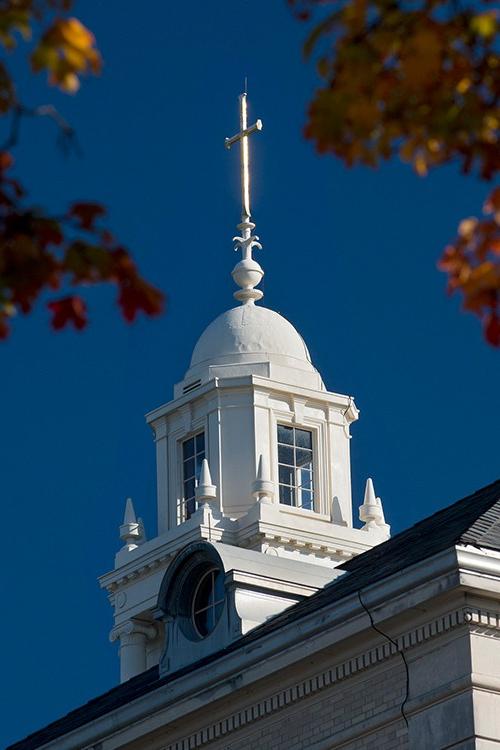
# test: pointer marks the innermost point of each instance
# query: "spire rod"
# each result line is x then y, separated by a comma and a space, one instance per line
247, 273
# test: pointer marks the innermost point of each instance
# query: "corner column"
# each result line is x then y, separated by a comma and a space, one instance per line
133, 636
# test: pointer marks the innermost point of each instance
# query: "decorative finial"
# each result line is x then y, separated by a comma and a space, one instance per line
371, 512
205, 490
247, 273
132, 529
263, 487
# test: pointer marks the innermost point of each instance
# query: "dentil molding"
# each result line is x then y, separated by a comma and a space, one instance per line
477, 620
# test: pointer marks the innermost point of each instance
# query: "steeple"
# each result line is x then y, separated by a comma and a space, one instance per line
247, 273
253, 482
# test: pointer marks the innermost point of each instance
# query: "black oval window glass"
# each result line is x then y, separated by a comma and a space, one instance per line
208, 601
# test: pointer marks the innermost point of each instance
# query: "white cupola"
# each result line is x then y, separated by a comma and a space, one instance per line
251, 340
253, 460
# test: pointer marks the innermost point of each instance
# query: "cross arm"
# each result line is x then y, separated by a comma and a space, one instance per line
228, 142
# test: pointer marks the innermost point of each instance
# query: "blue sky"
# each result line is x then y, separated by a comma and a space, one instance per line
350, 259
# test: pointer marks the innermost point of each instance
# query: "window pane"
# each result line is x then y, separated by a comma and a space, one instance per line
208, 601
218, 586
204, 593
305, 479
199, 461
188, 448
286, 475
303, 439
285, 434
303, 457
200, 443
189, 488
190, 507
285, 455
286, 495
295, 467
189, 468
306, 499
203, 621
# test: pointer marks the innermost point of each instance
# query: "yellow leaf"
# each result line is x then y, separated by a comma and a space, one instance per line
76, 58
484, 24
420, 164
484, 276
467, 226
76, 34
464, 85
69, 82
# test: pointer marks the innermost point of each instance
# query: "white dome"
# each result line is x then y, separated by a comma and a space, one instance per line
251, 333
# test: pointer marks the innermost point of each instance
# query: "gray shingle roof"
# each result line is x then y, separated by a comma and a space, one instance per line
474, 520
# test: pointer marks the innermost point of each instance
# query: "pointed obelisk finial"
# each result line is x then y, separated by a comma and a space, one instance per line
371, 512
263, 487
205, 491
129, 516
247, 273
131, 530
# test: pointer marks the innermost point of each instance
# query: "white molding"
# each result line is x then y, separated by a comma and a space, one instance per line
327, 678
183, 695
312, 396
159, 427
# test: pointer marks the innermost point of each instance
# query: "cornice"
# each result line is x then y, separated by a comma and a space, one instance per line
144, 562
317, 536
182, 695
267, 385
276, 702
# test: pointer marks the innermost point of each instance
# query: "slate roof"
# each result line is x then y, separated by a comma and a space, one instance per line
474, 520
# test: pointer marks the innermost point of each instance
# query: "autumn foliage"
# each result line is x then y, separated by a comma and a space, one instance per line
39, 252
420, 81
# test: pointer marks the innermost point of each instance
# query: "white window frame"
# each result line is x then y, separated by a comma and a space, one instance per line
296, 486
181, 515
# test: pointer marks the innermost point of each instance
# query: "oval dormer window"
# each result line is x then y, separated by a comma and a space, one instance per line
207, 601
193, 592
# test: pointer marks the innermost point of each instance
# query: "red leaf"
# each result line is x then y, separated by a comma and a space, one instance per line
6, 160
492, 329
68, 310
86, 214
136, 295
4, 328
49, 233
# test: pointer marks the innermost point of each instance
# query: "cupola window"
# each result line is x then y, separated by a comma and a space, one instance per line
295, 467
193, 453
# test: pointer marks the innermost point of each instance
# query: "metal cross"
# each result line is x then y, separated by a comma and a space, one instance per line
242, 137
